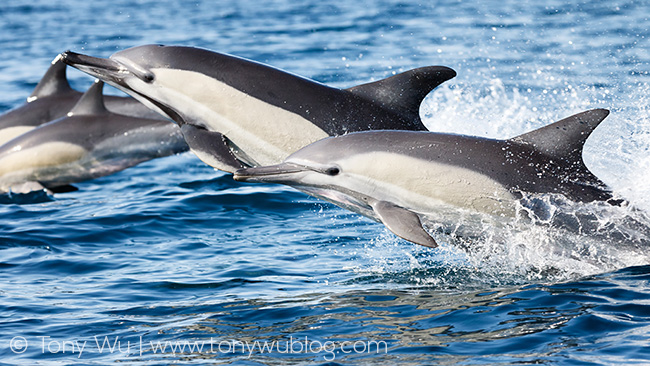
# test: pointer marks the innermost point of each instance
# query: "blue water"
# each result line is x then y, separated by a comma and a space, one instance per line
173, 251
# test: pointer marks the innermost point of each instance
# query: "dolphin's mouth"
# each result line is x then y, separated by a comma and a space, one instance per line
289, 174
114, 72
278, 173
95, 66
107, 69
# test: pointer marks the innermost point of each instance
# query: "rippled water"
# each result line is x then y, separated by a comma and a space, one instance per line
172, 251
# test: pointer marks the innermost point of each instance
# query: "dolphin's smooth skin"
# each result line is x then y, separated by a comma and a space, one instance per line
236, 113
89, 142
53, 98
397, 177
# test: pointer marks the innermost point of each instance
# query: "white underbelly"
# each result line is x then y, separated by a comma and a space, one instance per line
38, 162
422, 185
9, 133
266, 133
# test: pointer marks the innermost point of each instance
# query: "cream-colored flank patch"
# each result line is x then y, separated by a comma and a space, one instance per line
41, 156
268, 134
418, 184
9, 133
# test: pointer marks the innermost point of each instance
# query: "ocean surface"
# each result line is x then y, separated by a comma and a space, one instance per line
172, 262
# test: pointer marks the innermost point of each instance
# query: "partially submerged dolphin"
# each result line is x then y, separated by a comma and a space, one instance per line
90, 142
235, 112
53, 98
397, 177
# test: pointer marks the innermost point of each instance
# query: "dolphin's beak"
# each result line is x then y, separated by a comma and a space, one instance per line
279, 173
106, 69
115, 73
80, 61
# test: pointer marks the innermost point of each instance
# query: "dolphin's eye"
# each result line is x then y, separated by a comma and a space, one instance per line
333, 171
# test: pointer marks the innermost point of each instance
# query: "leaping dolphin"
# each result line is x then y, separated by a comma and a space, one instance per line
53, 98
90, 142
397, 177
235, 112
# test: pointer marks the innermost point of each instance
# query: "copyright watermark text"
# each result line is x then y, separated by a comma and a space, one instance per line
137, 346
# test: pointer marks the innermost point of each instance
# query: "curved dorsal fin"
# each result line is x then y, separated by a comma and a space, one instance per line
92, 102
53, 82
563, 141
566, 137
404, 92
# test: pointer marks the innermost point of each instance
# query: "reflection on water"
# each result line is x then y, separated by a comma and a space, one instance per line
447, 326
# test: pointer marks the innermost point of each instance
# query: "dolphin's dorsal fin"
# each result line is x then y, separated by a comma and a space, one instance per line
565, 138
564, 141
53, 82
92, 102
403, 93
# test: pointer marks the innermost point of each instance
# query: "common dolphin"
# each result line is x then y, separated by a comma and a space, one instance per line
53, 98
89, 142
235, 112
397, 177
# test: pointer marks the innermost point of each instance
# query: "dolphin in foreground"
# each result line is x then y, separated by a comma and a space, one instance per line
397, 177
235, 112
53, 98
90, 142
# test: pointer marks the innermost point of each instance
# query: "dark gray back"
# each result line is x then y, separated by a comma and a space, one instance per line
524, 163
391, 103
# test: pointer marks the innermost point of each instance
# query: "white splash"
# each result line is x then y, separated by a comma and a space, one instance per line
569, 240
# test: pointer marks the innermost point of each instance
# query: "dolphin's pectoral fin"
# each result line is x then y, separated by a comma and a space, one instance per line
403, 223
240, 154
211, 147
